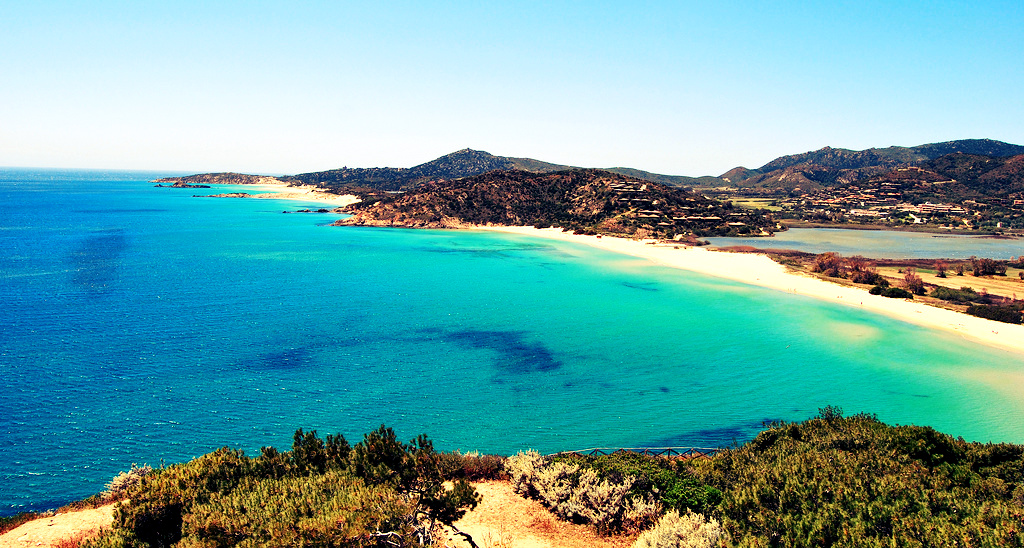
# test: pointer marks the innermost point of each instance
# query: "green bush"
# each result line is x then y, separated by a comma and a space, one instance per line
834, 481
963, 295
321, 493
891, 292
329, 509
1006, 314
669, 478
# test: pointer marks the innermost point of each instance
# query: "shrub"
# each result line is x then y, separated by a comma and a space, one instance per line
580, 494
295, 511
1007, 314
474, 466
912, 282
853, 481
522, 469
321, 493
963, 295
987, 267
124, 482
554, 483
862, 271
829, 264
891, 292
670, 479
675, 530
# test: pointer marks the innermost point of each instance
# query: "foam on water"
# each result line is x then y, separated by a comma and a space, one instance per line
141, 324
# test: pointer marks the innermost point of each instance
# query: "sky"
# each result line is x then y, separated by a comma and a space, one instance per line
681, 88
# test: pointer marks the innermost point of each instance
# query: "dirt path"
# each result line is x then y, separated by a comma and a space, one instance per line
506, 520
502, 520
49, 531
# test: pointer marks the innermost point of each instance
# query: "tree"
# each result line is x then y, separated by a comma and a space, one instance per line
829, 264
912, 282
415, 470
940, 269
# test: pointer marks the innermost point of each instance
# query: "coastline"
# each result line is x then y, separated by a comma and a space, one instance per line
305, 193
760, 270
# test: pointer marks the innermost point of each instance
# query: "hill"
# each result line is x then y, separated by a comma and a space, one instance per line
957, 177
587, 200
463, 163
221, 179
459, 164
681, 181
827, 167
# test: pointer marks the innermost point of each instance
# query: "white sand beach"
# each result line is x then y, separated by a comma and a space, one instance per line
760, 270
305, 193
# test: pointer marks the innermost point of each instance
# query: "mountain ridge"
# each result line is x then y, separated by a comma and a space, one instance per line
829, 166
813, 170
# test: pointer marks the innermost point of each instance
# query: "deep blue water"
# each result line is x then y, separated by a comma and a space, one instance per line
142, 325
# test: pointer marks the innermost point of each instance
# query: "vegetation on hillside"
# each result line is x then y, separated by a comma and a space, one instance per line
585, 200
463, 163
829, 481
381, 492
835, 166
220, 179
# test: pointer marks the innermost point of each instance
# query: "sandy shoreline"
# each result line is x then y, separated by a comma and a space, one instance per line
761, 271
305, 193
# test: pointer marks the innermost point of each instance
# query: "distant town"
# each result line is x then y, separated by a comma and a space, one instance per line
912, 201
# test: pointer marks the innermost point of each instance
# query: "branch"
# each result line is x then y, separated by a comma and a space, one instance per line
389, 536
466, 536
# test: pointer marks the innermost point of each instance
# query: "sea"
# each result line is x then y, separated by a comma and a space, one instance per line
144, 325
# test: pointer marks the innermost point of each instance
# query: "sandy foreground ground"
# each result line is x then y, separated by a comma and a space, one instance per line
303, 193
506, 520
762, 271
50, 530
502, 520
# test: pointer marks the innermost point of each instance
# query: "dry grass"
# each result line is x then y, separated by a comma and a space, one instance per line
506, 520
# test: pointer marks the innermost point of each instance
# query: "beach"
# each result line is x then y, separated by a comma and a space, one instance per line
305, 193
761, 271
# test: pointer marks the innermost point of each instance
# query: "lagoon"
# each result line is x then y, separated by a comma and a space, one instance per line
883, 244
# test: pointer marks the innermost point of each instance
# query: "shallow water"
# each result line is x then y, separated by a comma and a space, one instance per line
141, 324
884, 244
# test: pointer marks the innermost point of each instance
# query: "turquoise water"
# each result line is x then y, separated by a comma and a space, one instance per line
884, 244
140, 324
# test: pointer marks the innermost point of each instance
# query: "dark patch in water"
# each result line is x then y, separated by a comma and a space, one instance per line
97, 259
664, 389
515, 353
724, 436
121, 211
640, 286
498, 251
292, 358
897, 393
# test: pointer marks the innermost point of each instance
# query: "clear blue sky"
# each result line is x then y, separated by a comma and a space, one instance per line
683, 87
